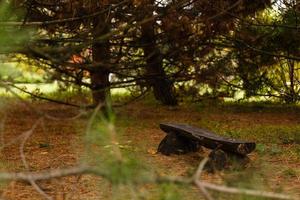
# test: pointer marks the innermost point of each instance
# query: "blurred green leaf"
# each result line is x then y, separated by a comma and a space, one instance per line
12, 38
169, 192
261, 148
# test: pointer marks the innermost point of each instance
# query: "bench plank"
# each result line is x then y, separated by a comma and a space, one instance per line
209, 139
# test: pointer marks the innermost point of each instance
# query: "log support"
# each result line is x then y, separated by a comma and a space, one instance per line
175, 144
226, 153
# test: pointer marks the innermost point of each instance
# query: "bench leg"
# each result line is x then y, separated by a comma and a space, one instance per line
175, 144
220, 160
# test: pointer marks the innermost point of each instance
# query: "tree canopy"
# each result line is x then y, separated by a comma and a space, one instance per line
173, 48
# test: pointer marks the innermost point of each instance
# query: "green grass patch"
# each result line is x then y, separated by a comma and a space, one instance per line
290, 173
267, 134
247, 107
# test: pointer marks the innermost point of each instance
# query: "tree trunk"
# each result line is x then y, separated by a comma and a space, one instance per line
162, 87
101, 53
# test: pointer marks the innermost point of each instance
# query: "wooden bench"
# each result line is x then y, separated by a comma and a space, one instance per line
182, 138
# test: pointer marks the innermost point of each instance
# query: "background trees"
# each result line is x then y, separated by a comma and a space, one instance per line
174, 48
171, 47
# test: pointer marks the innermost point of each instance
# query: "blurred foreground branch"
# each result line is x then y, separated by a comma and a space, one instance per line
85, 169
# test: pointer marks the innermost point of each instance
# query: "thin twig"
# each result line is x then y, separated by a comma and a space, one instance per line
43, 98
197, 181
49, 174
200, 168
256, 193
25, 163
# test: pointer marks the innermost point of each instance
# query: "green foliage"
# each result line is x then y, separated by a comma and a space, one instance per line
11, 38
124, 173
289, 38
261, 148
264, 59
275, 150
104, 150
169, 192
275, 134
241, 56
72, 94
290, 173
253, 177
9, 72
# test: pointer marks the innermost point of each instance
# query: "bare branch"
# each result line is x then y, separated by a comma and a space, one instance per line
46, 175
199, 183
85, 169
245, 191
25, 163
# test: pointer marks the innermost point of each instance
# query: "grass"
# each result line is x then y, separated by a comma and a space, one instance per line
71, 94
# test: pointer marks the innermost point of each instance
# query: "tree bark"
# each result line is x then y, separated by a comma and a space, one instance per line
163, 88
101, 53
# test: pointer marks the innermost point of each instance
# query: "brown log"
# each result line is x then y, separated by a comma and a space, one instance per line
176, 144
209, 139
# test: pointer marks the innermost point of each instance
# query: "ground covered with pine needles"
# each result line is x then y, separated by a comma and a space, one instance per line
59, 142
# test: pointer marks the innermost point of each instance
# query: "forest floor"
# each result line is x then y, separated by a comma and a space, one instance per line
274, 166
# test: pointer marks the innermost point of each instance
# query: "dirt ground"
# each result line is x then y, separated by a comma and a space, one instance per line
58, 143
